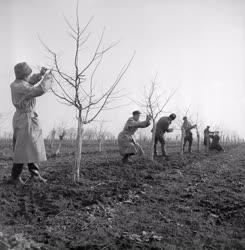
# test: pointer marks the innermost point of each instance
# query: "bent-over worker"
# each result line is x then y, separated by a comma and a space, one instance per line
162, 127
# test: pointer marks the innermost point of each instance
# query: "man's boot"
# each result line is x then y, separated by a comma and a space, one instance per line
16, 174
18, 181
164, 153
34, 170
37, 176
125, 159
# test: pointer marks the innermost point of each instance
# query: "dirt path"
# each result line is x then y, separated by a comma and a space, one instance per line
192, 202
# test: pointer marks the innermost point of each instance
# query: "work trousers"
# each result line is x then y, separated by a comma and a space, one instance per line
159, 138
189, 139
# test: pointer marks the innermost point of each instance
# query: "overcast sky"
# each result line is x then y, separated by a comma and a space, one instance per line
196, 47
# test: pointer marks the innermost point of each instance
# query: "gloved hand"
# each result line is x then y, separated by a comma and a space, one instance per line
43, 71
47, 82
148, 118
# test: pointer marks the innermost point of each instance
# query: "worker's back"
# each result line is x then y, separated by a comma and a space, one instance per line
162, 125
216, 139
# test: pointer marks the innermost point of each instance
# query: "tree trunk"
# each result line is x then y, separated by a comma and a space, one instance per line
78, 152
100, 145
153, 140
57, 152
52, 139
198, 140
51, 142
182, 141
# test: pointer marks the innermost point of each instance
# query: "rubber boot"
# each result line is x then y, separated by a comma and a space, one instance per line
164, 153
16, 174
34, 170
125, 159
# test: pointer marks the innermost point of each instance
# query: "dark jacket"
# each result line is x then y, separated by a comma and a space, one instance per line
163, 125
215, 143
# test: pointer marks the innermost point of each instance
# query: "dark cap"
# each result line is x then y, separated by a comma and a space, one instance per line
22, 70
172, 116
185, 118
136, 112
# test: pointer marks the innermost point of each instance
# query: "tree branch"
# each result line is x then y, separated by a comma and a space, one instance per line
111, 89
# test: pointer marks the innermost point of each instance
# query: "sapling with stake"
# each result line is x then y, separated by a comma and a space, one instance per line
79, 89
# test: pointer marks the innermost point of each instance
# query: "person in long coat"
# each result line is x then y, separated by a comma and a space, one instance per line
28, 143
207, 133
186, 130
126, 142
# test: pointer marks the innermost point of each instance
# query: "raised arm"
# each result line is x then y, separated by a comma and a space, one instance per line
43, 87
137, 124
169, 130
134, 124
193, 126
28, 92
35, 78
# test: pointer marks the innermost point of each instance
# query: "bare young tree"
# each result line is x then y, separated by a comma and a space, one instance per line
71, 134
143, 136
79, 89
89, 134
51, 137
109, 136
154, 105
7, 136
3, 118
100, 134
61, 132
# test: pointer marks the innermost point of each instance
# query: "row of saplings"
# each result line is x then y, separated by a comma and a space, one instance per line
211, 139
129, 147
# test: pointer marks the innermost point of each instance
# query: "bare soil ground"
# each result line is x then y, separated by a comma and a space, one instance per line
193, 201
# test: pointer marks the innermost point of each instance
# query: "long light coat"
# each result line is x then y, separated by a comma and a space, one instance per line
28, 141
186, 128
126, 141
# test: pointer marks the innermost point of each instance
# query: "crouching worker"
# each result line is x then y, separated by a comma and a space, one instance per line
215, 144
126, 142
162, 128
28, 143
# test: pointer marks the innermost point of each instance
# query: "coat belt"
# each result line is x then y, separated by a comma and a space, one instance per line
32, 112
